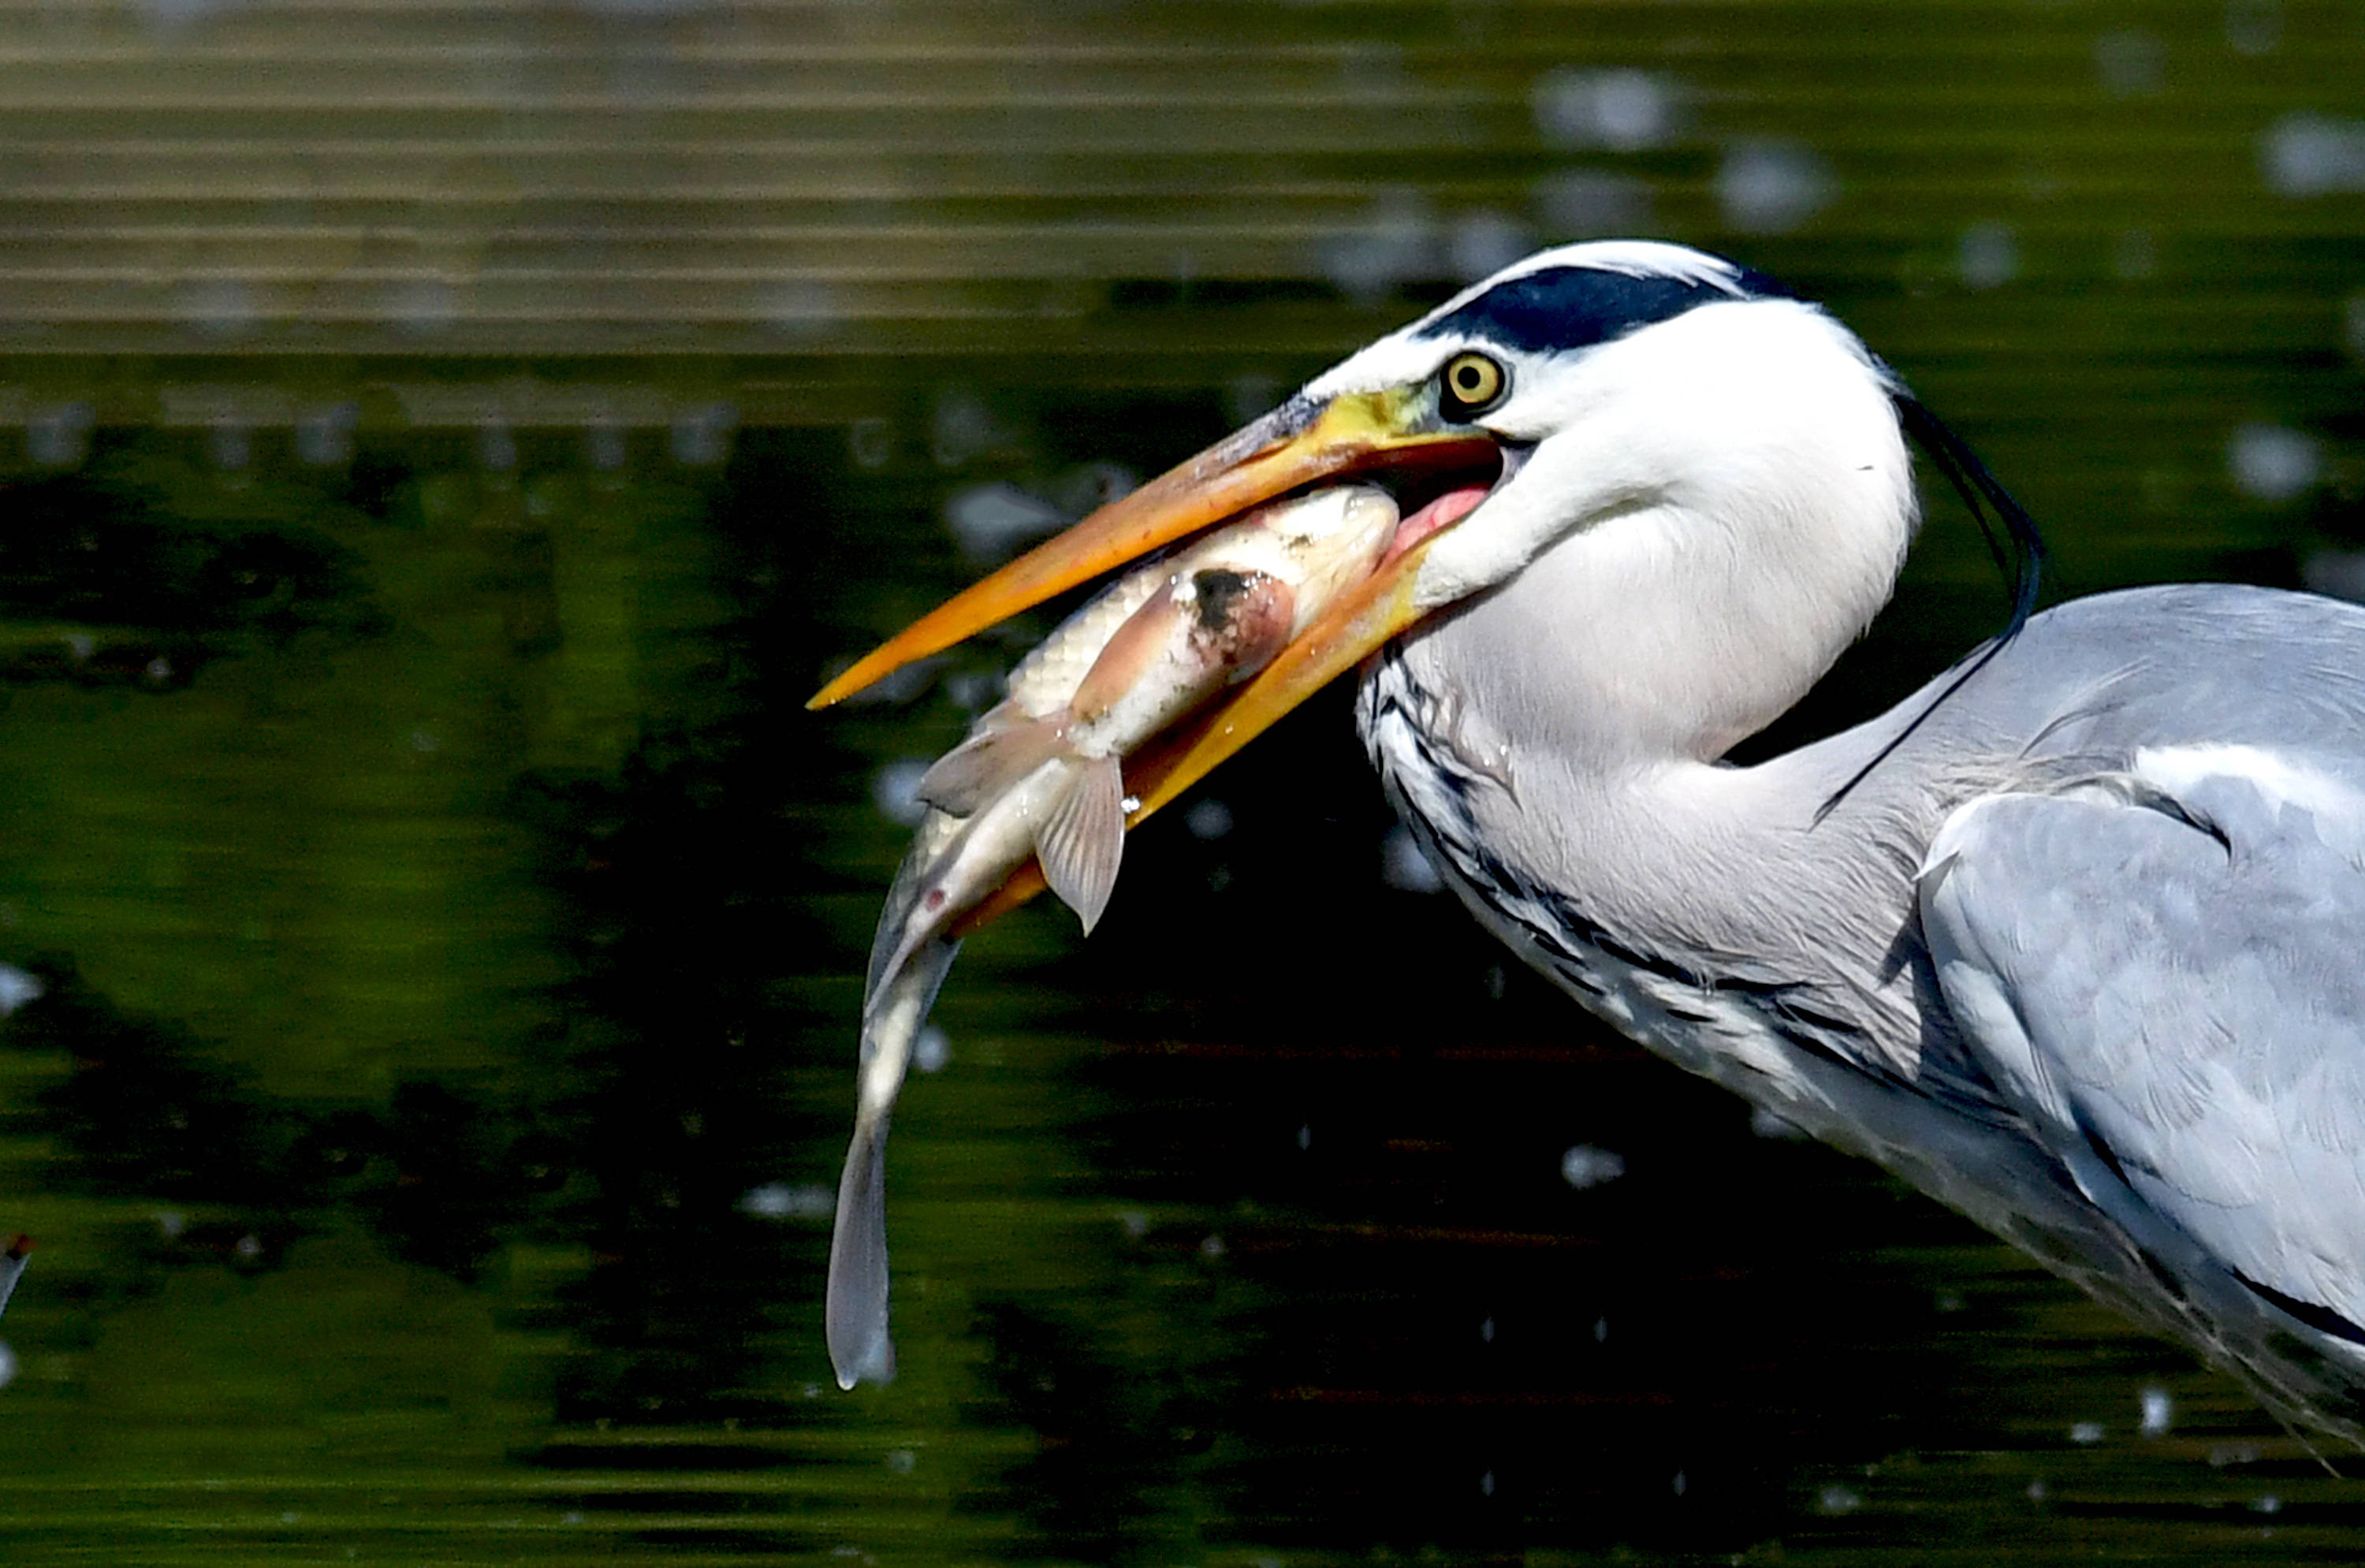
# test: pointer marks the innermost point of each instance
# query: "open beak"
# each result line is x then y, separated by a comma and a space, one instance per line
1299, 445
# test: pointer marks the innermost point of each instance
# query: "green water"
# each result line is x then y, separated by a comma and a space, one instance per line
449, 921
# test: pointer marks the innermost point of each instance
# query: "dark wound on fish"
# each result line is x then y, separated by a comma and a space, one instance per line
1243, 617
1217, 592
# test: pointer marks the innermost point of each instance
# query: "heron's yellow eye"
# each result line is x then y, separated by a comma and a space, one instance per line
1472, 382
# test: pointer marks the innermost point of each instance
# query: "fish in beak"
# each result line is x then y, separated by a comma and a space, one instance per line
1039, 781
1439, 473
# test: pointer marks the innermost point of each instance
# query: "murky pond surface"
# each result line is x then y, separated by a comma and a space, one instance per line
433, 924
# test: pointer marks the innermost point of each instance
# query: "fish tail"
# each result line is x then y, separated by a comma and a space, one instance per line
1082, 837
982, 768
854, 1305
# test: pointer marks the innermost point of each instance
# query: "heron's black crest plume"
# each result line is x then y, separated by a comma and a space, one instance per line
2018, 552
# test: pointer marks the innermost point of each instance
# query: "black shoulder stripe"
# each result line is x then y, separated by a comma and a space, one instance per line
1566, 308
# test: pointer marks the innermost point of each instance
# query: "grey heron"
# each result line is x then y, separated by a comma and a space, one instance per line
2073, 939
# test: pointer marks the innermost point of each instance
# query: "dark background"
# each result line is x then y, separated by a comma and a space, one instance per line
442, 447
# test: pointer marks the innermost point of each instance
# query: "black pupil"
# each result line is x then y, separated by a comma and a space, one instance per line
1467, 377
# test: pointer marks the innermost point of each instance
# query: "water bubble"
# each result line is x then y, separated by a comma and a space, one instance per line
963, 428
1601, 1330
2313, 155
59, 437
2131, 62
871, 442
1395, 242
2158, 1412
604, 445
800, 309
1586, 1165
2133, 255
1135, 1223
1374, 69
219, 307
974, 690
2038, 1491
171, 16
1484, 243
420, 308
1681, 1484
1487, 1484
933, 1050
1213, 1246
1406, 866
2086, 1433
1619, 111
324, 437
1837, 1500
2266, 1503
496, 447
17, 988
1592, 204
779, 1200
895, 791
2254, 26
1988, 255
992, 523
1209, 819
1486, 1332
701, 436
1772, 187
901, 1460
2273, 463
1305, 1137
171, 1223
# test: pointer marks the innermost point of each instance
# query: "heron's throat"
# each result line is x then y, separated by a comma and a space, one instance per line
1662, 634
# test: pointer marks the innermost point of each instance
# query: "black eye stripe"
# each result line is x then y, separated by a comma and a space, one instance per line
1566, 308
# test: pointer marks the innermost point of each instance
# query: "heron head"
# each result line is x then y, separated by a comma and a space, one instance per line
1585, 386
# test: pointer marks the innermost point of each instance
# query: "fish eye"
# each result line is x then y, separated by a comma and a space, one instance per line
1472, 383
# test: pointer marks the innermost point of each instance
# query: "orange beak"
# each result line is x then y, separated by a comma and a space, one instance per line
1297, 446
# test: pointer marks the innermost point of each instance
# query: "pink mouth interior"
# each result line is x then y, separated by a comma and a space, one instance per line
1443, 512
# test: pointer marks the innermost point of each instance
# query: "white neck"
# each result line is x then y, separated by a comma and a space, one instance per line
1721, 508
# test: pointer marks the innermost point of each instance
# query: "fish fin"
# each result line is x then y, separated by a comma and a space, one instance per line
1082, 838
856, 1310
985, 765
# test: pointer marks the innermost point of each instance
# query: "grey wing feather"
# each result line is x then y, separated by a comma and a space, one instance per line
2165, 979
